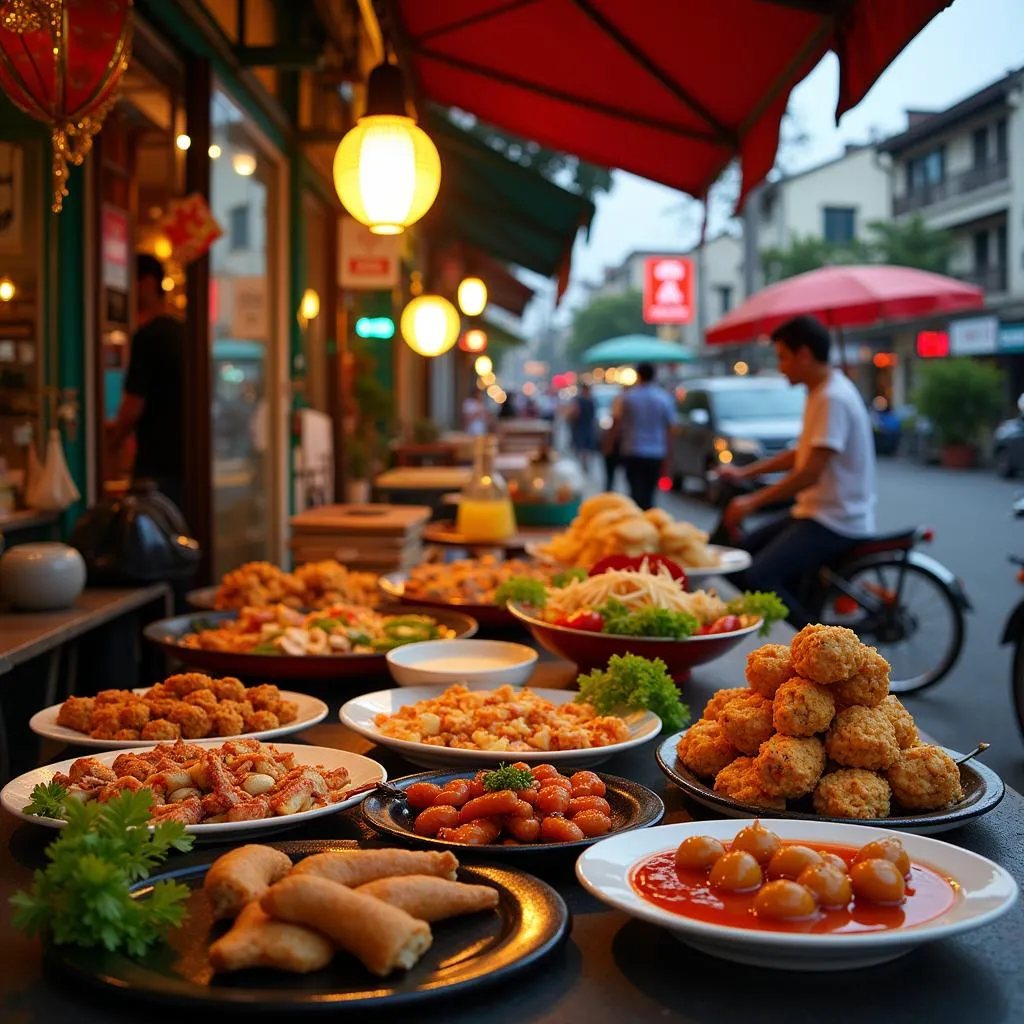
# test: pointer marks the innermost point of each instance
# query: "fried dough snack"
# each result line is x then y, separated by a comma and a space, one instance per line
431, 898
827, 654
868, 686
739, 781
243, 875
704, 749
788, 767
925, 778
257, 940
354, 868
852, 793
802, 708
381, 936
768, 667
746, 722
862, 738
902, 722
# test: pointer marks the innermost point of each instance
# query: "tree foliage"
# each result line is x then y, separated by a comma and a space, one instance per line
908, 243
607, 316
962, 397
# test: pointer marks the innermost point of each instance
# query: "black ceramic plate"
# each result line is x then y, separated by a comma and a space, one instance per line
983, 789
531, 920
632, 806
168, 634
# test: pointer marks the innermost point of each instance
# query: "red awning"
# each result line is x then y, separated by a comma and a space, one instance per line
668, 89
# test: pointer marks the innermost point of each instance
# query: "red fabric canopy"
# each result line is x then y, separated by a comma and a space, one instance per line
668, 89
855, 296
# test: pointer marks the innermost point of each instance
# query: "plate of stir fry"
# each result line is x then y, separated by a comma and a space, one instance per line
284, 643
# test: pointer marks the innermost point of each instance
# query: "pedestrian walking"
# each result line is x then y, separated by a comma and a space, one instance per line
644, 430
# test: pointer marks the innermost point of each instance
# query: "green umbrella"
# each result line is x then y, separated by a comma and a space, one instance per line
636, 348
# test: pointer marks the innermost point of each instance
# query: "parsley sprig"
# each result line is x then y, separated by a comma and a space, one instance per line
82, 897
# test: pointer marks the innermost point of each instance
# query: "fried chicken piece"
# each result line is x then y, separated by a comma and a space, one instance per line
902, 722
229, 688
746, 721
161, 729
105, 722
259, 721
768, 668
161, 707
802, 708
133, 716
116, 788
238, 707
852, 793
76, 713
704, 749
789, 767
862, 737
90, 767
132, 764
187, 682
925, 778
114, 696
250, 810
203, 698
179, 752
292, 797
286, 711
193, 719
868, 686
226, 723
263, 697
827, 654
188, 812
738, 781
127, 734
719, 699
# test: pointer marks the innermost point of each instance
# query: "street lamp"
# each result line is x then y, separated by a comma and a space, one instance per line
387, 170
472, 296
430, 325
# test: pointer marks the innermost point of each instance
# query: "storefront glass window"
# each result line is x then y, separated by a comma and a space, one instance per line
242, 327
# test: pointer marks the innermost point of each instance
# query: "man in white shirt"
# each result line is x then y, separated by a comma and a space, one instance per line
830, 474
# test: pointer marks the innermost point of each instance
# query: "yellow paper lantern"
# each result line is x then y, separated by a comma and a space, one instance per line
483, 365
7, 289
472, 296
309, 307
430, 325
387, 170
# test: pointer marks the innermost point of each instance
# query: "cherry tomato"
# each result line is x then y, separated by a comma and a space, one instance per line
590, 621
726, 624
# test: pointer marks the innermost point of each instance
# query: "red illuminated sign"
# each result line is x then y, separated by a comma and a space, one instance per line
932, 344
668, 290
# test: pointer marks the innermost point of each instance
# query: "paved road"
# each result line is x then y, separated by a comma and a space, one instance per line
974, 534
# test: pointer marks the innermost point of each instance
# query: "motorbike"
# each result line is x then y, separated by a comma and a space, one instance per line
1013, 633
890, 593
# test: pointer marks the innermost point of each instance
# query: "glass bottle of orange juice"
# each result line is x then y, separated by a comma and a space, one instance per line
485, 508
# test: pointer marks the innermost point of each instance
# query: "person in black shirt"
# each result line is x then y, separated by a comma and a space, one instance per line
153, 399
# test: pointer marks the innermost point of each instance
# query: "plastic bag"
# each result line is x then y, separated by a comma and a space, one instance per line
52, 489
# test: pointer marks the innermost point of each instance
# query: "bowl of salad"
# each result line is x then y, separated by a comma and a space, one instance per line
644, 610
279, 642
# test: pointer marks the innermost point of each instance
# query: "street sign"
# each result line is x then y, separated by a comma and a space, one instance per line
382, 327
668, 290
365, 260
976, 336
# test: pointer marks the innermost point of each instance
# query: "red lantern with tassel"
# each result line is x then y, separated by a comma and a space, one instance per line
61, 62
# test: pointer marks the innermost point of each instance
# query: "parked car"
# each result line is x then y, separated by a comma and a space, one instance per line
1008, 444
733, 420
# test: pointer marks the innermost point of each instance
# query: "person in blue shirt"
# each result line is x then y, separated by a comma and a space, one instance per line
645, 435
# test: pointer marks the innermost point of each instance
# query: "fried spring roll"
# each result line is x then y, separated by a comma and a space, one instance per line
357, 867
381, 936
243, 875
430, 898
257, 940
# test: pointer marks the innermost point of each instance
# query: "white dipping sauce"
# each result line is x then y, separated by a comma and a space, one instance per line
467, 663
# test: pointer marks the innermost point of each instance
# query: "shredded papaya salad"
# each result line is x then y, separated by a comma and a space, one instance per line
645, 598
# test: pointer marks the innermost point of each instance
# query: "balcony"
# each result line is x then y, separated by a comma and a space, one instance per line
991, 280
954, 185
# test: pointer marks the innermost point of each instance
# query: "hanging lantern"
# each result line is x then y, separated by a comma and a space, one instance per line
430, 325
472, 296
474, 340
386, 169
483, 365
61, 62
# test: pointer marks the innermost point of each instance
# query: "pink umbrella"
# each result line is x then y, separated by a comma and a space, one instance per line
854, 296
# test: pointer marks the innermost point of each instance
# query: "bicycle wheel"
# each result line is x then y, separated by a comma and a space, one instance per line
1018, 684
920, 637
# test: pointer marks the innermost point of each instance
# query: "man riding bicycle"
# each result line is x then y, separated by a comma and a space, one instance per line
830, 474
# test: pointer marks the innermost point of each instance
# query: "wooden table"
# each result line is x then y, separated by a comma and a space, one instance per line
49, 641
613, 968
29, 519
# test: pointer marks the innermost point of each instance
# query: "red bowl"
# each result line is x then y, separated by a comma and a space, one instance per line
592, 650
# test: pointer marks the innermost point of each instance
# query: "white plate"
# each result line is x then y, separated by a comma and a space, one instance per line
358, 714
44, 723
986, 892
362, 771
730, 560
490, 662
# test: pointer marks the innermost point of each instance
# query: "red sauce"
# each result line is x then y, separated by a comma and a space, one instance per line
689, 894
